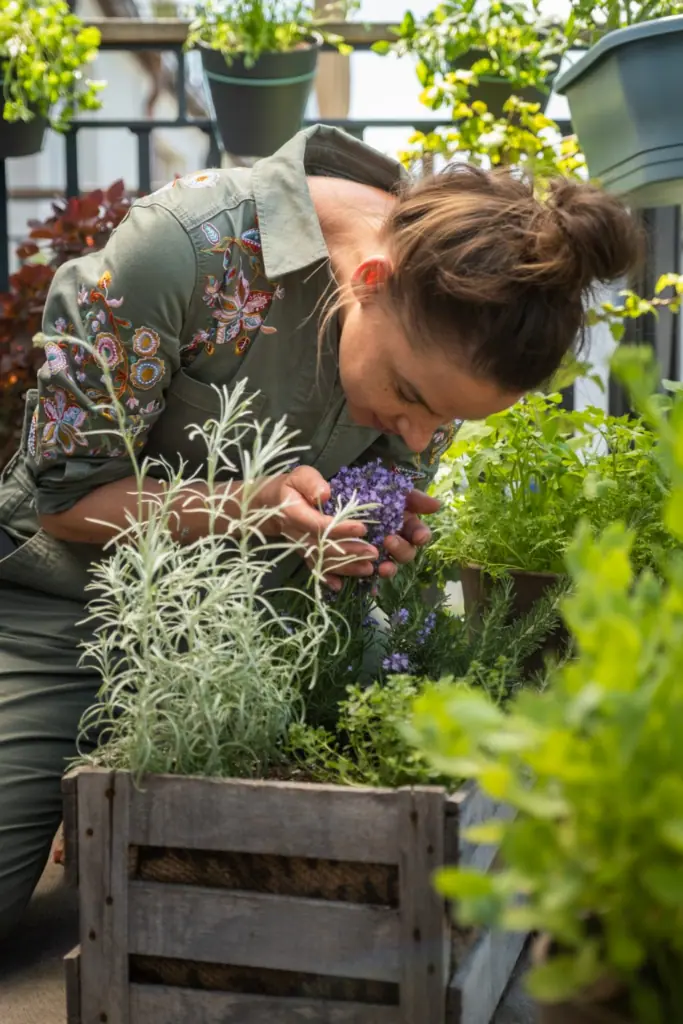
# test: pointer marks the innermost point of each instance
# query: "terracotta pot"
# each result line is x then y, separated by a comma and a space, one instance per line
528, 588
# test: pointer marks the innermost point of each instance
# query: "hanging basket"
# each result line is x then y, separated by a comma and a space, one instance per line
259, 109
494, 92
624, 95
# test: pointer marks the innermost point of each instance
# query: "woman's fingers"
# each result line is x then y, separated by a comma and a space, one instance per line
415, 531
421, 504
401, 550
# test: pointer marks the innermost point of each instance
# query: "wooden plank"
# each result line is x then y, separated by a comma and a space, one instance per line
283, 933
481, 980
103, 800
280, 818
72, 970
173, 31
475, 809
70, 827
424, 925
189, 1006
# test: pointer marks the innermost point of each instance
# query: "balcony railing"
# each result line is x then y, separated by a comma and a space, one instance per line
167, 36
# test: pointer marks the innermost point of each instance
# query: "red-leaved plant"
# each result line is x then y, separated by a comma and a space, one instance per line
76, 226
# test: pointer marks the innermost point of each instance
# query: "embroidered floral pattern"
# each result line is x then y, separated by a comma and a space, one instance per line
64, 420
202, 179
77, 392
239, 308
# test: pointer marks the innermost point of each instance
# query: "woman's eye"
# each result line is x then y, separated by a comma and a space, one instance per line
404, 398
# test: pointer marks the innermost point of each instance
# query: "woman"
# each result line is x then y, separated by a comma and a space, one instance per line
372, 313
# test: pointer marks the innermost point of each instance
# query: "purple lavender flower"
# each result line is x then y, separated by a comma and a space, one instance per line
427, 627
372, 483
396, 663
400, 617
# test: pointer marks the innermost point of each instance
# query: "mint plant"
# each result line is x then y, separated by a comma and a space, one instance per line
593, 766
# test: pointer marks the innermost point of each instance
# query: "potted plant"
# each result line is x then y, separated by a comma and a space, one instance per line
198, 716
510, 47
518, 484
260, 59
43, 50
623, 96
593, 767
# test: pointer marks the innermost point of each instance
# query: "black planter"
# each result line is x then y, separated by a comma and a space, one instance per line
495, 91
21, 138
258, 109
625, 100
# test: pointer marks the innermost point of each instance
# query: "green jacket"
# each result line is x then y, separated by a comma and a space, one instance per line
213, 278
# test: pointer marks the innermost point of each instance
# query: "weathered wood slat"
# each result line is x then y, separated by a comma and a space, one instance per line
281, 818
103, 799
476, 808
70, 827
152, 1003
343, 940
480, 981
173, 31
424, 927
72, 970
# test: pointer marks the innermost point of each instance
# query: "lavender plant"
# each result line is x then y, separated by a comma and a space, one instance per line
372, 484
201, 675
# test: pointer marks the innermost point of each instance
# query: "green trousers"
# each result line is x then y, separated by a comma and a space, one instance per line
43, 694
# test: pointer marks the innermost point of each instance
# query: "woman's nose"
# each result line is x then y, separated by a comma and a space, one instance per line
416, 433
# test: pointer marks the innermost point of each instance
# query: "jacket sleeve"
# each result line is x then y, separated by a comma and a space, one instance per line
421, 467
128, 303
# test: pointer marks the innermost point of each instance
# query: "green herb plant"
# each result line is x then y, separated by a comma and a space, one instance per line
518, 484
43, 51
364, 742
593, 767
512, 41
248, 28
201, 675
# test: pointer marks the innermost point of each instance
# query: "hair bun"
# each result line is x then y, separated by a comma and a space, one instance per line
589, 236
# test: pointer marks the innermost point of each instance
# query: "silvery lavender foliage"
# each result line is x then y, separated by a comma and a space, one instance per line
372, 484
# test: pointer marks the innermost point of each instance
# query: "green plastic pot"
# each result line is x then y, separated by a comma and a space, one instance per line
20, 138
494, 92
260, 108
624, 95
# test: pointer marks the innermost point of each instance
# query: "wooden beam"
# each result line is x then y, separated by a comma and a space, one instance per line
173, 31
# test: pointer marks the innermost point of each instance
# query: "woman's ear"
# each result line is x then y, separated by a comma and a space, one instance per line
371, 275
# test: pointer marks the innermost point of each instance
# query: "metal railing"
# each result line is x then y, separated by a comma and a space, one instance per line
167, 35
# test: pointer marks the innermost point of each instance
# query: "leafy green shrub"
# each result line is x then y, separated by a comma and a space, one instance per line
43, 50
363, 741
593, 766
524, 478
248, 28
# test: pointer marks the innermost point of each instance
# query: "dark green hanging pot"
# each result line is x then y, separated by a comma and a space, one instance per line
20, 138
494, 92
260, 108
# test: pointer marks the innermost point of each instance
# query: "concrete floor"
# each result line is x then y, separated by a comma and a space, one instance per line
32, 975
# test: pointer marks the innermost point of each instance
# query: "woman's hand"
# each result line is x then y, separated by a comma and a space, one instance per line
302, 492
414, 534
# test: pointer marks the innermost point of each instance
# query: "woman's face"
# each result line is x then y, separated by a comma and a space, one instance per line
398, 389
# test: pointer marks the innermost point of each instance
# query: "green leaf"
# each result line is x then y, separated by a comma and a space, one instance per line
553, 981
488, 832
664, 883
463, 883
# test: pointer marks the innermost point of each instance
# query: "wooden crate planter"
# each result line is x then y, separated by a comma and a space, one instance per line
234, 902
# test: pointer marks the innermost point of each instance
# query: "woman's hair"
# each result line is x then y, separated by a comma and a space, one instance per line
499, 277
